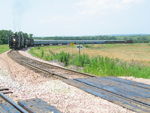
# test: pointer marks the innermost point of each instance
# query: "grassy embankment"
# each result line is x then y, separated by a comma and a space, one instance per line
102, 60
3, 48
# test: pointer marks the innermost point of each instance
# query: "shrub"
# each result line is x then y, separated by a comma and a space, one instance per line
80, 60
62, 57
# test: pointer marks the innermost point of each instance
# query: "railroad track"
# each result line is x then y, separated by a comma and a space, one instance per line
57, 71
131, 95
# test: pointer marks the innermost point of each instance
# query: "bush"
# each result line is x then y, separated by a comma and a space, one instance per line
80, 60
62, 57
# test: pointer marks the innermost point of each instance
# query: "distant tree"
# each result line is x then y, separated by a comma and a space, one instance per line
4, 36
30, 35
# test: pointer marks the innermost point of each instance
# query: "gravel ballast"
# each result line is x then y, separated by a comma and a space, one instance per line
26, 84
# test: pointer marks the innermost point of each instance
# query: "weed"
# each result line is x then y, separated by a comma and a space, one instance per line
97, 65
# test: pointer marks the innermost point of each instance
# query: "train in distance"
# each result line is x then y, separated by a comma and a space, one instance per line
19, 42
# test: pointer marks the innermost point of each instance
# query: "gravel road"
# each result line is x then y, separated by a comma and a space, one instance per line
27, 84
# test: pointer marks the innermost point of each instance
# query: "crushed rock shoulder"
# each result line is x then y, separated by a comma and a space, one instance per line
27, 84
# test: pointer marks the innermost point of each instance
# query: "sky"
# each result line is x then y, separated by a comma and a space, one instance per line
76, 17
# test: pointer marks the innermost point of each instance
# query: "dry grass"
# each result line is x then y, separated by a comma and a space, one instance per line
92, 61
135, 53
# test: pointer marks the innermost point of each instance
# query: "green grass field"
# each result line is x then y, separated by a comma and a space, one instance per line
3, 48
102, 60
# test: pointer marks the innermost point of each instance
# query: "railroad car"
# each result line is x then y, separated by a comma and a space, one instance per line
66, 42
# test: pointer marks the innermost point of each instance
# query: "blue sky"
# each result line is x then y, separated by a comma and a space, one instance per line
76, 17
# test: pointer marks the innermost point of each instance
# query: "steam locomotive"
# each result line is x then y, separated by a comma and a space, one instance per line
18, 41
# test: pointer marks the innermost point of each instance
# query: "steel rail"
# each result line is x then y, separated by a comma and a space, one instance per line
7, 99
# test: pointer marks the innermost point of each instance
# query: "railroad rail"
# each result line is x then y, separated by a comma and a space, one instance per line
131, 95
9, 106
5, 90
36, 105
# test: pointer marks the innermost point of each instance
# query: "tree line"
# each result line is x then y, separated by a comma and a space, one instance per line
5, 34
134, 38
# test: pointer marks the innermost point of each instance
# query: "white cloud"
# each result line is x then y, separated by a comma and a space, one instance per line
102, 6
